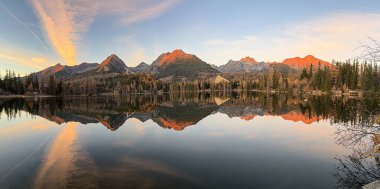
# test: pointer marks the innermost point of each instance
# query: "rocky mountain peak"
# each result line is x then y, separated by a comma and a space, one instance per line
113, 64
248, 59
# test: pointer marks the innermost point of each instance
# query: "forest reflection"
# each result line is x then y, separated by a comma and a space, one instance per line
180, 110
356, 121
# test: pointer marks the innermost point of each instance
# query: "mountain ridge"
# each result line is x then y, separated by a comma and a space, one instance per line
177, 65
60, 71
306, 61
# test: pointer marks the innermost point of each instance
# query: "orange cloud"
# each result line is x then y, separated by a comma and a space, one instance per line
60, 27
63, 21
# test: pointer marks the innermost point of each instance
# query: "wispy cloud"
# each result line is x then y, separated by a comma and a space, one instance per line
65, 21
24, 25
142, 13
332, 36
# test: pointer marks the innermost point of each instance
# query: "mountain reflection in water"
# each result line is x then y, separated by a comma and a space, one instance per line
173, 112
82, 157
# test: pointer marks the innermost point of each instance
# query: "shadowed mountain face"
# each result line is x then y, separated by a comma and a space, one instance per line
244, 65
142, 68
179, 111
240, 66
61, 71
113, 64
250, 65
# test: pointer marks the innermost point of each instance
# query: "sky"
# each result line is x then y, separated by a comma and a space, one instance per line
35, 34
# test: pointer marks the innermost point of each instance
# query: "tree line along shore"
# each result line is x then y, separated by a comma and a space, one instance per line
344, 78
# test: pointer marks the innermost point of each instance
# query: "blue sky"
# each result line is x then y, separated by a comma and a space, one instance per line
39, 33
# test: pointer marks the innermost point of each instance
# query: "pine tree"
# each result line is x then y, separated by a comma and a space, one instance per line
310, 72
60, 87
304, 74
276, 80
52, 86
317, 79
326, 80
1, 82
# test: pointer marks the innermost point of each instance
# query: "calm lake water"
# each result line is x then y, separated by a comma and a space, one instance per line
189, 141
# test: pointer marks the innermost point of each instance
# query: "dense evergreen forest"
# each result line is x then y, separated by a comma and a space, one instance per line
350, 77
11, 84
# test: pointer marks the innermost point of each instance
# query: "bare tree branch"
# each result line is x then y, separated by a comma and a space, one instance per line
370, 52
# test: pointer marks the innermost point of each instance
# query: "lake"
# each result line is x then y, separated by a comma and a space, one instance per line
187, 140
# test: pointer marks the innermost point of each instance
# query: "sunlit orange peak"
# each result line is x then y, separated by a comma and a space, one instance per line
308, 60
249, 60
168, 58
108, 59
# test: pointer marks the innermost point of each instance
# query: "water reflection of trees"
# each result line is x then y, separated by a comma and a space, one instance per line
357, 128
356, 120
353, 172
338, 110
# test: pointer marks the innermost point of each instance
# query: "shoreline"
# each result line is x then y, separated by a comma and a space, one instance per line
27, 96
358, 94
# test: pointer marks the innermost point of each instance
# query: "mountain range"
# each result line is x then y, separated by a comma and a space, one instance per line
178, 65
